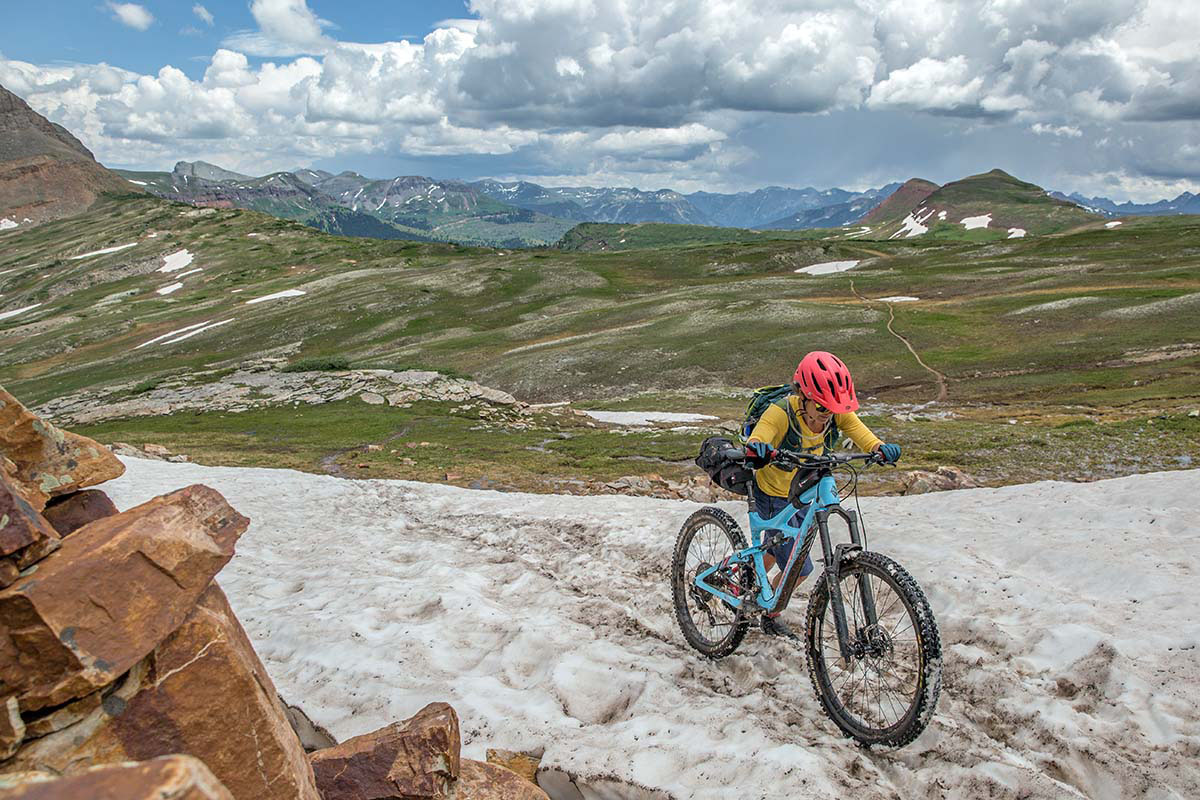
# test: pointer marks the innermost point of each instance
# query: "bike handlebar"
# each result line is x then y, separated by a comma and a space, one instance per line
809, 460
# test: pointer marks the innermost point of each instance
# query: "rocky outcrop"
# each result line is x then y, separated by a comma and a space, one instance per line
482, 781
262, 385
45, 172
115, 589
415, 758
204, 692
945, 478
174, 777
71, 512
49, 461
524, 764
25, 535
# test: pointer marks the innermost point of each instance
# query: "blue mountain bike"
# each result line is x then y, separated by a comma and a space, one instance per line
874, 656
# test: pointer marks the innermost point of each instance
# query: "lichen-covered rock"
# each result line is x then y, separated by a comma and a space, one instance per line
70, 512
49, 461
112, 592
524, 764
174, 777
202, 692
480, 781
414, 759
25, 535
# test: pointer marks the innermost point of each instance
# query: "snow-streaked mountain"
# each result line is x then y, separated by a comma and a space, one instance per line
1185, 203
546, 621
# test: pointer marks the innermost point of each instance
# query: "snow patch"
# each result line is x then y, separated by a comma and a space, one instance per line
190, 272
1016, 233
276, 296
828, 267
1112, 224
116, 249
176, 261
644, 417
942, 215
14, 312
982, 221
899, 298
139, 183
195, 328
170, 288
914, 224
7, 224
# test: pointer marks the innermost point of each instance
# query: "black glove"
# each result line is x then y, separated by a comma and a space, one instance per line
759, 454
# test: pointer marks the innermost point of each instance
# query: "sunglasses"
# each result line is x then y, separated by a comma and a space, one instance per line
820, 408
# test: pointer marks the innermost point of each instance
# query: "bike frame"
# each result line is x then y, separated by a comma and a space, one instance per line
823, 501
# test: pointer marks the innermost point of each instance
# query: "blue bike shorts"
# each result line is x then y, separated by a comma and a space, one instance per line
767, 506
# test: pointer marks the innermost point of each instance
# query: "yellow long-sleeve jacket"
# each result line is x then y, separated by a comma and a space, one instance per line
773, 426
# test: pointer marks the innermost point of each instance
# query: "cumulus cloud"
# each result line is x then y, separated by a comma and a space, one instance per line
131, 15
204, 14
622, 88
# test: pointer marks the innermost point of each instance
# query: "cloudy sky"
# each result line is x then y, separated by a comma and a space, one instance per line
1097, 96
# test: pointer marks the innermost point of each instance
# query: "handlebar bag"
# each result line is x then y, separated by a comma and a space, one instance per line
720, 458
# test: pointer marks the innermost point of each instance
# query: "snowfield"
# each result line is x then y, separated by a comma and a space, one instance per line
1067, 615
828, 267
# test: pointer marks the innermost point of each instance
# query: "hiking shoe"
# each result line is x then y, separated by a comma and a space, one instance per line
773, 626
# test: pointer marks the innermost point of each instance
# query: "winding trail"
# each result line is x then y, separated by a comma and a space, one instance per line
938, 376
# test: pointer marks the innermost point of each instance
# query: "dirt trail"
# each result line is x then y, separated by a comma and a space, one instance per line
938, 376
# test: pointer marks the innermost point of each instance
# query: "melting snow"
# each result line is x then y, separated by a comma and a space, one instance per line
914, 224
175, 261
1112, 224
189, 272
7, 224
139, 183
982, 221
644, 417
408, 591
171, 334
899, 298
170, 288
276, 296
941, 215
1016, 233
14, 312
828, 267
105, 250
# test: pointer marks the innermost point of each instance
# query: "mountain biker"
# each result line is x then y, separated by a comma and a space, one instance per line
822, 393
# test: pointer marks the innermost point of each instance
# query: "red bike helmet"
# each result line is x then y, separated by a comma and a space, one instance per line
825, 379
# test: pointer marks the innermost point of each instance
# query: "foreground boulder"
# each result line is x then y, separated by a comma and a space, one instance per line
25, 535
175, 777
70, 512
524, 764
49, 461
482, 781
114, 590
412, 759
203, 692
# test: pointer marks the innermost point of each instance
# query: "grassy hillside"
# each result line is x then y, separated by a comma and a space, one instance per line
1095, 325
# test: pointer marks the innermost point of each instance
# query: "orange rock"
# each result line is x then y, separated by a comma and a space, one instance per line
49, 461
523, 764
202, 692
480, 781
70, 512
113, 591
174, 777
12, 728
414, 759
25, 535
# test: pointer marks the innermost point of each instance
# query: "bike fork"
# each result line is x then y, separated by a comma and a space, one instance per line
833, 575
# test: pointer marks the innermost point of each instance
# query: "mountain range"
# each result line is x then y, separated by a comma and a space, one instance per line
1185, 203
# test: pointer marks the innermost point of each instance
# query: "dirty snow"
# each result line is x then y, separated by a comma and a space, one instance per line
8, 224
1016, 233
828, 267
644, 417
914, 224
106, 250
276, 296
982, 221
16, 311
1112, 224
176, 261
900, 298
546, 621
171, 287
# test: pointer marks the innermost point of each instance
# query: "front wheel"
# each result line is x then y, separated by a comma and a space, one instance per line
709, 624
887, 693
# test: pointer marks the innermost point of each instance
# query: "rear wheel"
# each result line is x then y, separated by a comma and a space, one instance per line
887, 693
709, 624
